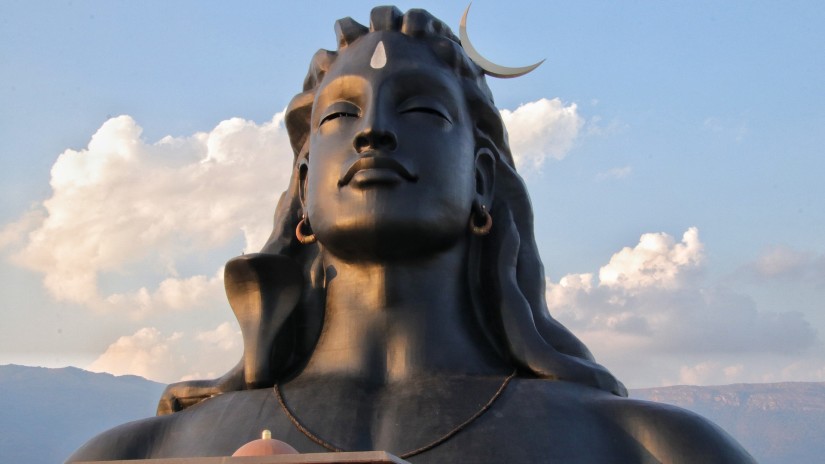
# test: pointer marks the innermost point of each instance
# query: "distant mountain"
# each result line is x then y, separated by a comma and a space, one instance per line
45, 414
778, 423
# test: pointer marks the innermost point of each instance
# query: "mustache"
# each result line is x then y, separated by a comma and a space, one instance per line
376, 162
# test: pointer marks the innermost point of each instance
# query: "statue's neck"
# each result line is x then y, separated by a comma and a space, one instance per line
404, 319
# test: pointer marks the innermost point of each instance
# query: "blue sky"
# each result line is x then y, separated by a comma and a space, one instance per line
663, 118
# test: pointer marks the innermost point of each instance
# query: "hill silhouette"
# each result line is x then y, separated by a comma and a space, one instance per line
776, 422
48, 413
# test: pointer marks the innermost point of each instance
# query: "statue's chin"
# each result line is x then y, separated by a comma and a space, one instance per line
389, 242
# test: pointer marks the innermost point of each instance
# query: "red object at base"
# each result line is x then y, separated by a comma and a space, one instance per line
265, 447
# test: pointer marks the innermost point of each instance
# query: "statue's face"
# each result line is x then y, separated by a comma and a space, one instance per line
391, 162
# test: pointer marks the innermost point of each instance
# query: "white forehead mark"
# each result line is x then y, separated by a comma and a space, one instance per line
379, 56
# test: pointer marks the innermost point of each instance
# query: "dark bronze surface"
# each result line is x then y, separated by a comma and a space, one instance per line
399, 322
365, 457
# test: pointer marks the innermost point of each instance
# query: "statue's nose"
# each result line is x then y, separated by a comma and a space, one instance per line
375, 139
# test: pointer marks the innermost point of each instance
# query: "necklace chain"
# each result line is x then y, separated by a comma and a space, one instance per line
312, 436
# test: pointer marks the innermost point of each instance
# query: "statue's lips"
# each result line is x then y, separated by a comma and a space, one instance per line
377, 169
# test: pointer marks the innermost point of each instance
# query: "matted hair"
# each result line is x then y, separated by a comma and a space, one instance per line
506, 277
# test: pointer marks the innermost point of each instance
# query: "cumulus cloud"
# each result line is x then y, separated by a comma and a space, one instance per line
145, 353
649, 301
781, 260
225, 337
16, 231
172, 294
155, 355
784, 263
122, 204
540, 130
657, 261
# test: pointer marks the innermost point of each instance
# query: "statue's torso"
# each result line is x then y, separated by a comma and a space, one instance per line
532, 421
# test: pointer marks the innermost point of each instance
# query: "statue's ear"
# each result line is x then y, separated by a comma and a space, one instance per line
303, 169
485, 167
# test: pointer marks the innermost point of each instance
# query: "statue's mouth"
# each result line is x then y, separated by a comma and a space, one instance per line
376, 168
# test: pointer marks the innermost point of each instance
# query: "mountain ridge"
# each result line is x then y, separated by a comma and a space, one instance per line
776, 422
48, 413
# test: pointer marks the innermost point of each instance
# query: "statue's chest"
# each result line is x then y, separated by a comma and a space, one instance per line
517, 427
449, 423
400, 419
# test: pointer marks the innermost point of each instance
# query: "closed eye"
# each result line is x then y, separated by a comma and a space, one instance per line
336, 115
339, 109
425, 105
426, 110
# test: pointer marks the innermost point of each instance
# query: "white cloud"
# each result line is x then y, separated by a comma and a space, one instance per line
171, 294
813, 370
540, 130
709, 372
145, 353
123, 204
169, 358
783, 263
742, 369
16, 231
657, 261
596, 127
649, 303
614, 173
225, 337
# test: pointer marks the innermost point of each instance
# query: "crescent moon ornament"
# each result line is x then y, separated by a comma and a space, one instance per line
488, 66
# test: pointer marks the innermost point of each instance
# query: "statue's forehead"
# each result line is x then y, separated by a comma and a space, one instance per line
388, 60
390, 64
383, 52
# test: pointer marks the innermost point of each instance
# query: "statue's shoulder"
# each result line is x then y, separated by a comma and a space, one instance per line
126, 441
214, 427
614, 425
672, 434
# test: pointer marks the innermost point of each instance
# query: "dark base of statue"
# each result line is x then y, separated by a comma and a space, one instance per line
362, 457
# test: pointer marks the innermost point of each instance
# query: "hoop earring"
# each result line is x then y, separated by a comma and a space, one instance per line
475, 218
305, 239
